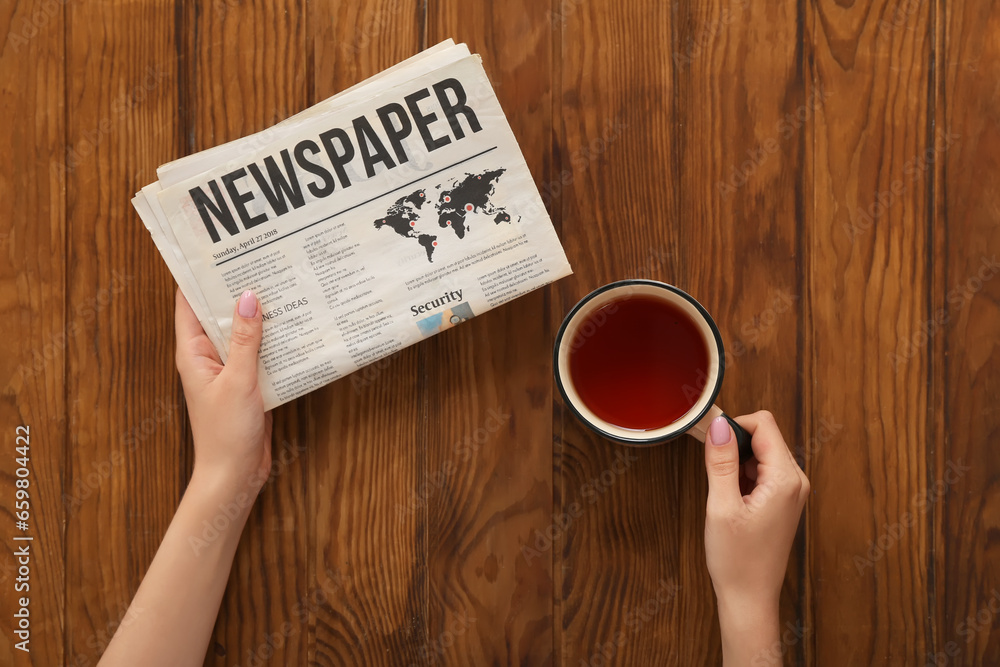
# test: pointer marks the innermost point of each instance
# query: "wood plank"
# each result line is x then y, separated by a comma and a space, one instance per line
246, 68
355, 554
867, 246
636, 533
125, 427
489, 398
742, 109
35, 324
967, 194
370, 429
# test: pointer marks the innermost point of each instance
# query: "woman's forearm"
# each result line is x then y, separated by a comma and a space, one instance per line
172, 615
749, 633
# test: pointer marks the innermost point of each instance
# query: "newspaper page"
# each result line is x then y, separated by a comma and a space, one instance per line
232, 154
369, 228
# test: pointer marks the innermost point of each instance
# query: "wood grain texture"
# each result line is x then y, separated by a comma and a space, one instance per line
636, 532
967, 558
245, 69
867, 246
489, 398
743, 107
369, 481
822, 176
124, 418
33, 327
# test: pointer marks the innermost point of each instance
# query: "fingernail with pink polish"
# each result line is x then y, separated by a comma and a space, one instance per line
719, 431
248, 304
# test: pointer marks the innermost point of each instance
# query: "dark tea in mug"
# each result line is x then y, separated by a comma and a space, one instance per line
639, 362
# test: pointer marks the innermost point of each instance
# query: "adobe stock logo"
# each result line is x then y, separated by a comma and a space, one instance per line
958, 297
591, 491
434, 651
913, 170
784, 129
968, 628
463, 451
604, 654
921, 503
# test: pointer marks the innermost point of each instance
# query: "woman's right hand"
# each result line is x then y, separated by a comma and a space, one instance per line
750, 523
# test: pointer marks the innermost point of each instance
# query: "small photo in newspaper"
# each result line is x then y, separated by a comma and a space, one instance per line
445, 320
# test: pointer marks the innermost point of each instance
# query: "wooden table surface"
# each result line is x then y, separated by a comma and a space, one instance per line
823, 176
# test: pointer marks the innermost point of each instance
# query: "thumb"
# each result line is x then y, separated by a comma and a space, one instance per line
244, 342
722, 462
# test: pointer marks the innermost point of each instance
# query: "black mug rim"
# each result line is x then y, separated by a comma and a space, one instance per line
626, 283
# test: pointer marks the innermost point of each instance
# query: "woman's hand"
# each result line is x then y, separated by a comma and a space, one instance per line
752, 514
176, 605
232, 433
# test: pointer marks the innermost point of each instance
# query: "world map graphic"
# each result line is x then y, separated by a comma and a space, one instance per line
454, 209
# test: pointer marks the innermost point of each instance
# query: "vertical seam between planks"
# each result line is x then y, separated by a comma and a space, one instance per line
930, 450
304, 428
423, 524
808, 355
800, 269
67, 463
555, 103
556, 141
424, 34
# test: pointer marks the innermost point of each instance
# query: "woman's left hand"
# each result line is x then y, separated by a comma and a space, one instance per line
232, 433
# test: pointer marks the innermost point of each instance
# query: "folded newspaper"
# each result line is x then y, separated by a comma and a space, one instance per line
391, 211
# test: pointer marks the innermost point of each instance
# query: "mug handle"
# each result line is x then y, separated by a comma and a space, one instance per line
700, 431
